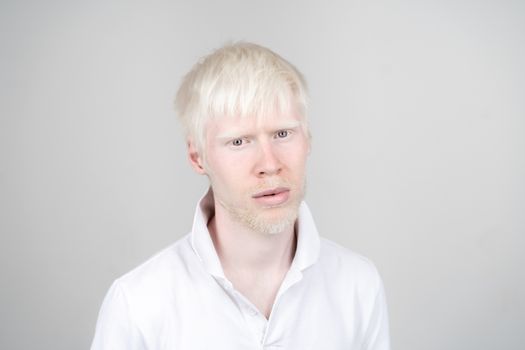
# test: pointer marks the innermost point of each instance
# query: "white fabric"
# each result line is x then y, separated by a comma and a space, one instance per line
180, 299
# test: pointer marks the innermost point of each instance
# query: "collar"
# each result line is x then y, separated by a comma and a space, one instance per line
306, 253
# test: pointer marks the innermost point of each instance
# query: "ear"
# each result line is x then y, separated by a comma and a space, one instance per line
195, 158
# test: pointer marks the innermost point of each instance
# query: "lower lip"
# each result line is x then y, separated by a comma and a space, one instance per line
274, 200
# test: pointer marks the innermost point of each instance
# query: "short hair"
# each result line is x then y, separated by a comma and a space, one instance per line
239, 79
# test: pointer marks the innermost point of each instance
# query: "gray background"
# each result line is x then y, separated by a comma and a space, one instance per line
418, 162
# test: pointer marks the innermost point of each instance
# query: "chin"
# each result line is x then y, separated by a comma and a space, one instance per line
273, 221
268, 221
271, 227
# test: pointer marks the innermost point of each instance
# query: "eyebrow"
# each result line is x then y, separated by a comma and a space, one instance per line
234, 133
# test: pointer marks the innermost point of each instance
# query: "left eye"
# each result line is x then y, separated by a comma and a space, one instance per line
282, 133
237, 142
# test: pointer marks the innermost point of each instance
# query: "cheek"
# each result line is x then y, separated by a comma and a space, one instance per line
226, 168
296, 158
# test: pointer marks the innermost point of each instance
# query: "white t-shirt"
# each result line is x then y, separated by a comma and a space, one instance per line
180, 299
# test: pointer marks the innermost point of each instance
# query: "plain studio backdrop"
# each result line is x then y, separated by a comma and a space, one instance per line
418, 162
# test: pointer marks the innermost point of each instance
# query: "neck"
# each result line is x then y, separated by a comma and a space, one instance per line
241, 249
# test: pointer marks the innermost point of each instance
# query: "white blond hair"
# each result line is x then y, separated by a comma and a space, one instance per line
242, 80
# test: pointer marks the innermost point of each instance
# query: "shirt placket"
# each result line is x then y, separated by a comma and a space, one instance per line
256, 321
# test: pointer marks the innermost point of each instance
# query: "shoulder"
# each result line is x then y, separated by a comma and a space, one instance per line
160, 273
143, 295
356, 286
348, 267
136, 302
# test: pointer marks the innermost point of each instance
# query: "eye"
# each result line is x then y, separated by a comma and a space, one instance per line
237, 142
282, 133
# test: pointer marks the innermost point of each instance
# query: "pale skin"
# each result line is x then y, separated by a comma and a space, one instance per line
242, 158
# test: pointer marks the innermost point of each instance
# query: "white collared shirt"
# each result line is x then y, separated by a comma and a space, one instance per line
180, 299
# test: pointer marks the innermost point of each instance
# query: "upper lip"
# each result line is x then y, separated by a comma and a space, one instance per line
271, 191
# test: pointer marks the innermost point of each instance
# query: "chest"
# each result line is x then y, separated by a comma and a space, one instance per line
306, 316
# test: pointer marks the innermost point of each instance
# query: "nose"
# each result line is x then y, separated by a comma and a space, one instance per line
268, 163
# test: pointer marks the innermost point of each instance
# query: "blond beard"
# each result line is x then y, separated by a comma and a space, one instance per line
258, 223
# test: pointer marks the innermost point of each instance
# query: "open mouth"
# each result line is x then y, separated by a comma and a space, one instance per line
272, 198
271, 192
268, 195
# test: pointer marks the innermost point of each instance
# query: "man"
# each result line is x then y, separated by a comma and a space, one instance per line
253, 273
